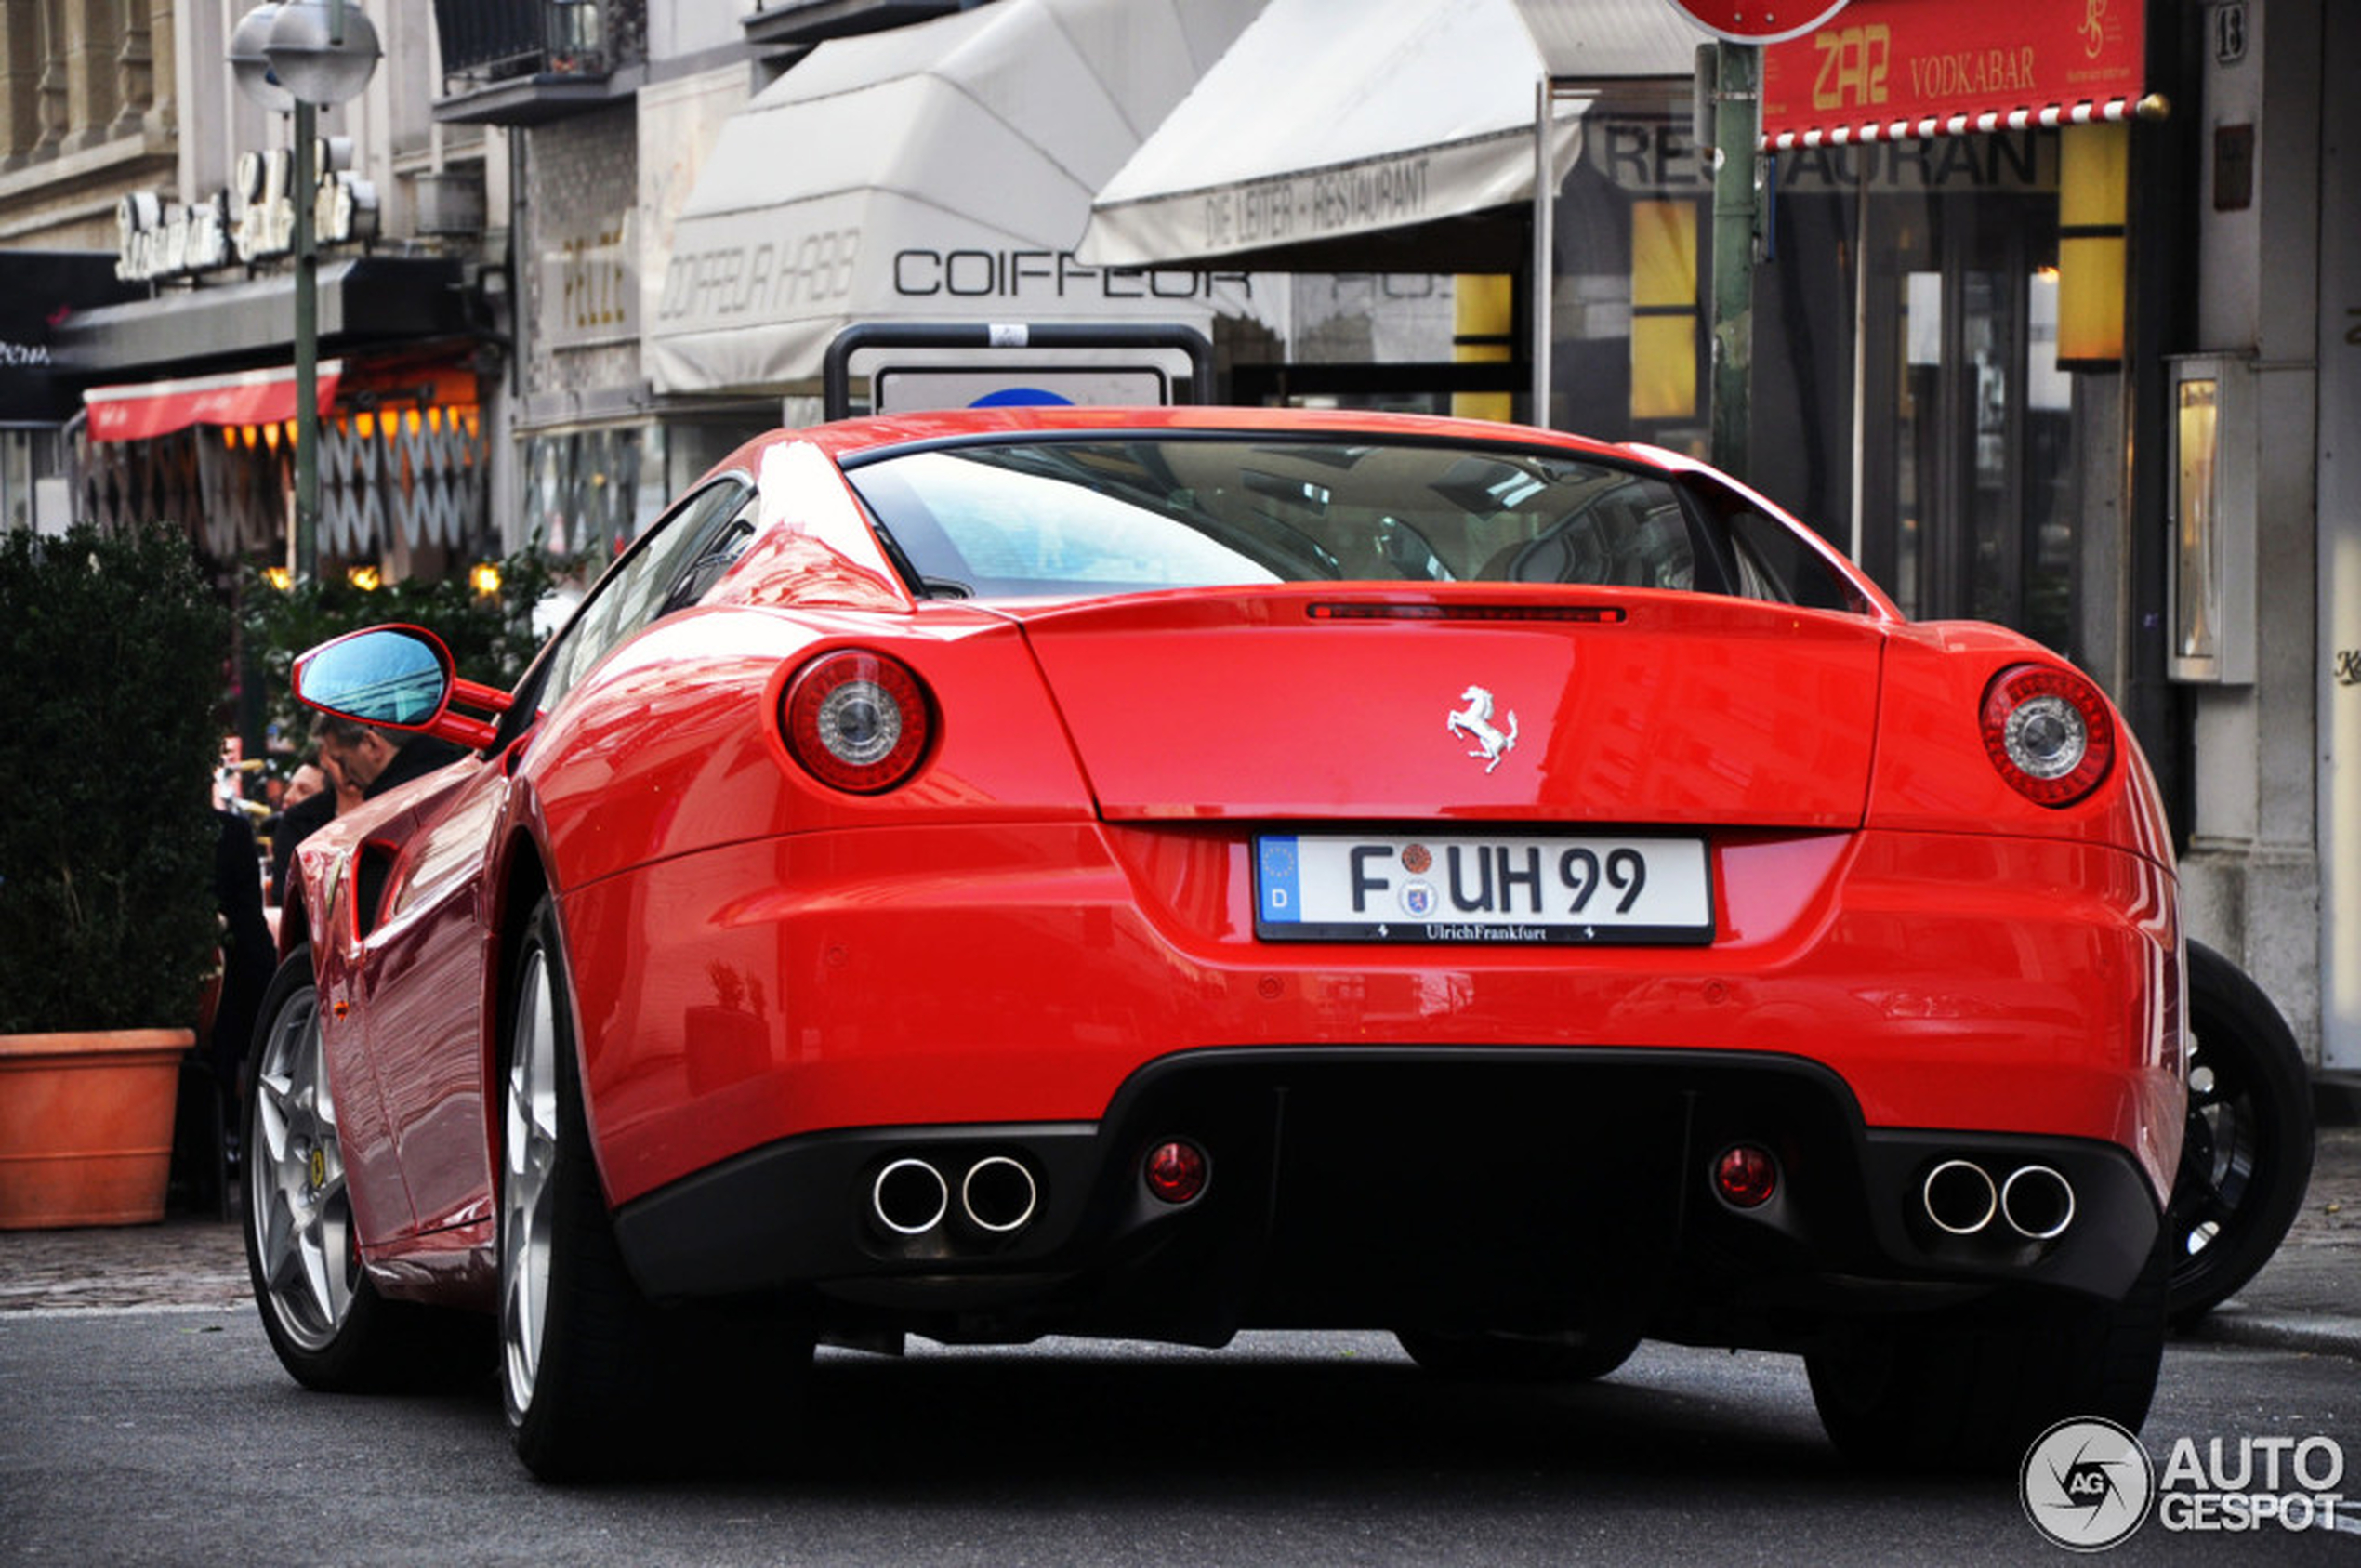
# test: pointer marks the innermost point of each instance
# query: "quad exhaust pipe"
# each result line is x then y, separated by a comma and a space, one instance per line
2037, 1202
912, 1196
1961, 1198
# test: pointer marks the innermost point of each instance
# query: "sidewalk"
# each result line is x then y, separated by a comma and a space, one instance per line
2308, 1297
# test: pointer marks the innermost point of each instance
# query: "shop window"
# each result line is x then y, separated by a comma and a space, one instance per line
1909, 397
1664, 310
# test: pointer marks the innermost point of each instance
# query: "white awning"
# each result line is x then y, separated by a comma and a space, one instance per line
1327, 122
942, 172
1604, 40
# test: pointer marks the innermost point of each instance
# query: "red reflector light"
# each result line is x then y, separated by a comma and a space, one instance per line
856, 720
2048, 732
1745, 1175
1176, 1170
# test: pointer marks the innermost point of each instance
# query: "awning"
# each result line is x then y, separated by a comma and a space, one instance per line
39, 292
365, 302
1885, 69
1594, 40
1325, 125
941, 172
158, 408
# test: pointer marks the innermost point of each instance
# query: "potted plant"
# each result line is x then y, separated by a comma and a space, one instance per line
113, 648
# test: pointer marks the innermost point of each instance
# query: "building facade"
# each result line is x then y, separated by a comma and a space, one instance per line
130, 142
612, 236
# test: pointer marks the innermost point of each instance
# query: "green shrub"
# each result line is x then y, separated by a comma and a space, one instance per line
113, 650
490, 636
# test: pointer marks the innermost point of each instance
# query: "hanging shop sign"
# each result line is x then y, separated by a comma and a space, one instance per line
1883, 69
590, 281
252, 220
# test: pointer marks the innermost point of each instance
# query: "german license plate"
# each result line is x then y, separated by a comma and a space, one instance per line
1481, 888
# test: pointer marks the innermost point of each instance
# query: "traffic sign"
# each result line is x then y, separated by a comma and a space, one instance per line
1759, 21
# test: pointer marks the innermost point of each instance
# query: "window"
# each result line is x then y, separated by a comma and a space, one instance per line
641, 587
1104, 515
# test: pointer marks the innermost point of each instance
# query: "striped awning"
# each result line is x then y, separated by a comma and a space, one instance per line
144, 410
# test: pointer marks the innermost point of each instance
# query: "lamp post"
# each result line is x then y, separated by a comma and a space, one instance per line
298, 56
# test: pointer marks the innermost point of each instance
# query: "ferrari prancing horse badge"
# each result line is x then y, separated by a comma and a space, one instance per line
1476, 722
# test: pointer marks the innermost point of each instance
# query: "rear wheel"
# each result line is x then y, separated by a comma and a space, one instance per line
2245, 1155
1574, 1356
578, 1343
596, 1380
1972, 1391
323, 1316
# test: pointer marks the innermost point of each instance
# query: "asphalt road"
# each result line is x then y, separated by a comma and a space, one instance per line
172, 1437
144, 1420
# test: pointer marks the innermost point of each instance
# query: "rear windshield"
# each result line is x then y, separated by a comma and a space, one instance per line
1125, 514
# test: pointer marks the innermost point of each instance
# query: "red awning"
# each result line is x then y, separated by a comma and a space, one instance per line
1882, 70
158, 408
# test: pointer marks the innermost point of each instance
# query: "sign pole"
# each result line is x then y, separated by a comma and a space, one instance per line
1737, 122
307, 347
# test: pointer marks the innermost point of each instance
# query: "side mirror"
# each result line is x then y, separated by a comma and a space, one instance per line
400, 678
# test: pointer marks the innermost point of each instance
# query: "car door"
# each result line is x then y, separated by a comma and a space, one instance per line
433, 994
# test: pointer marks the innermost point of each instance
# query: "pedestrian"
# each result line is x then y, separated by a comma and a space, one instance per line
248, 955
375, 761
311, 802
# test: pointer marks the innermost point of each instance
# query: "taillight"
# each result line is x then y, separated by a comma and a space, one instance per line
856, 720
2048, 729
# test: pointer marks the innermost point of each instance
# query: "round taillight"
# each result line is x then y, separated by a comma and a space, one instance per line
1176, 1170
1745, 1175
856, 720
2048, 732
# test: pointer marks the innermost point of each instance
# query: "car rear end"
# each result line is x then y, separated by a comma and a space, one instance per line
1618, 936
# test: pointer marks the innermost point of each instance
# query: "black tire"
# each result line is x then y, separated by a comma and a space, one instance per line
1483, 1356
593, 1377
1972, 1389
2245, 1155
323, 1316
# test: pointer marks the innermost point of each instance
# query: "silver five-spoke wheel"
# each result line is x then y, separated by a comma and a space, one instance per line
529, 1148
302, 1215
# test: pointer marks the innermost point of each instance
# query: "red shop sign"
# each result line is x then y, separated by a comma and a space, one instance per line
1885, 69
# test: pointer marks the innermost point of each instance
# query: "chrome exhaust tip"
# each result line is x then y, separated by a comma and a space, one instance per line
1958, 1197
998, 1195
909, 1197
2037, 1202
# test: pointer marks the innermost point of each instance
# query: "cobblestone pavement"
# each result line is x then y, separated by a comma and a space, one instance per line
182, 1262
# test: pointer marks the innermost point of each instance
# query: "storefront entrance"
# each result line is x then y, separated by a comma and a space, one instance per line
1965, 463
1907, 395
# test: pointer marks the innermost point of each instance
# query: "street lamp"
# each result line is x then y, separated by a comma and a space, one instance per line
298, 56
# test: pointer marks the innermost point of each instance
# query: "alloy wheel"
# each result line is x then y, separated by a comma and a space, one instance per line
2219, 1151
529, 1150
295, 1182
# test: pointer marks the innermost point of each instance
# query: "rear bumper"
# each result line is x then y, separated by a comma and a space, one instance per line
776, 993
1389, 1187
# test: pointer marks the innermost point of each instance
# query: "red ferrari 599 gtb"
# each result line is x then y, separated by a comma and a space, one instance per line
1158, 872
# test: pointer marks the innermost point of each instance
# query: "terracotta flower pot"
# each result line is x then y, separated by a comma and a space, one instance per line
85, 1125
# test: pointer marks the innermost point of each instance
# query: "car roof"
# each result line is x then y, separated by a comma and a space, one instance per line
846, 439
